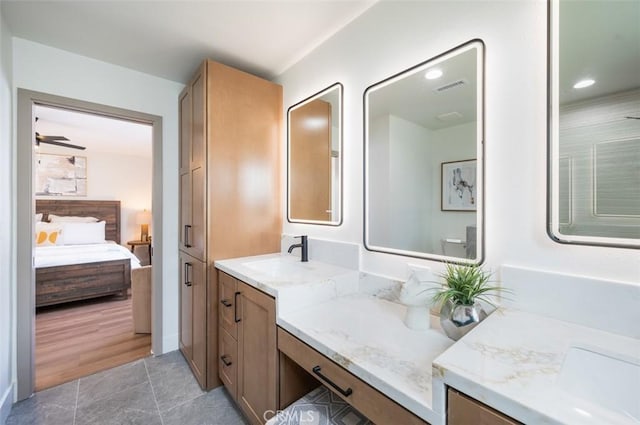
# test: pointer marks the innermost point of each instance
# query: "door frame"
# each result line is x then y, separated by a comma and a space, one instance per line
25, 209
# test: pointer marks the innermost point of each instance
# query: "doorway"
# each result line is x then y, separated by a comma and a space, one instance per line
25, 272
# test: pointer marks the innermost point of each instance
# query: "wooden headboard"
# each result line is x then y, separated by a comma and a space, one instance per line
109, 211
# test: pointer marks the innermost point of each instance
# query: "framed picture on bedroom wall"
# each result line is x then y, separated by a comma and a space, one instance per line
459, 185
61, 175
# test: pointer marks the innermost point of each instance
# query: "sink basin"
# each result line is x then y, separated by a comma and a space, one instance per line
604, 379
280, 268
291, 269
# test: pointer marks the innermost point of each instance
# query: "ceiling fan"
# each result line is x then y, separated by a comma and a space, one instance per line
56, 140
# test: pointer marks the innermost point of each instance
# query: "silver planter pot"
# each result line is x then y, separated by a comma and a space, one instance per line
456, 320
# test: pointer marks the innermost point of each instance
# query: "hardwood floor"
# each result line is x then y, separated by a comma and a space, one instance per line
78, 339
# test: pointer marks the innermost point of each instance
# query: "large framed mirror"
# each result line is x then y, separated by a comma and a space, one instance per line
594, 123
314, 159
423, 159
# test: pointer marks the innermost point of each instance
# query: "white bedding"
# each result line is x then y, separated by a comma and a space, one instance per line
64, 255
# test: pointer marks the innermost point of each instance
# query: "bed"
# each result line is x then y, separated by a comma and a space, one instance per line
77, 272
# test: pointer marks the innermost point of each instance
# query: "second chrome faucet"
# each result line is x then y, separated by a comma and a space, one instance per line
304, 246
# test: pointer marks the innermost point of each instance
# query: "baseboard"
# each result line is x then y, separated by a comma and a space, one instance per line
5, 404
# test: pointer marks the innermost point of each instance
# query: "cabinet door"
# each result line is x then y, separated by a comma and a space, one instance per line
186, 308
185, 130
227, 289
463, 410
257, 354
193, 174
199, 318
193, 319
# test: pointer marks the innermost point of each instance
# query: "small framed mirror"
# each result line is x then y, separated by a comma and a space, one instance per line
594, 123
314, 159
423, 159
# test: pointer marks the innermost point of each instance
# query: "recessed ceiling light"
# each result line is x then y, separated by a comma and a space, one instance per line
432, 74
583, 83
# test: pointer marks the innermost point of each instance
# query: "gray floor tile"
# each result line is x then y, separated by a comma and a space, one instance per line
104, 384
41, 415
212, 408
172, 380
51, 406
133, 405
158, 364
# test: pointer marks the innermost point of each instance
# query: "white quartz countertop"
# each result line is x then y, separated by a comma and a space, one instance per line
366, 335
294, 284
512, 361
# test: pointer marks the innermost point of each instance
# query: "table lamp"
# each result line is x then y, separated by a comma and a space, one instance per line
143, 218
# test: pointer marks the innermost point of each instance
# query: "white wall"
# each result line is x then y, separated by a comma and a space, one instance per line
450, 144
392, 36
118, 177
78, 77
6, 198
583, 127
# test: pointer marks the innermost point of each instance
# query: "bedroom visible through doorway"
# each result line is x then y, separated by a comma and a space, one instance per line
92, 187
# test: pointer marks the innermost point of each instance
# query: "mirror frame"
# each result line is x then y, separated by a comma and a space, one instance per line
314, 96
553, 145
480, 148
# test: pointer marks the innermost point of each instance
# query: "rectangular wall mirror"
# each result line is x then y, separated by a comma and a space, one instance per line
314, 159
594, 123
423, 159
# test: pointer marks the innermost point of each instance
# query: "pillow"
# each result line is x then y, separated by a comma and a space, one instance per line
77, 233
48, 234
38, 217
71, 219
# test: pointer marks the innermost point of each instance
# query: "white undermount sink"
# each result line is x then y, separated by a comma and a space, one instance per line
291, 269
604, 379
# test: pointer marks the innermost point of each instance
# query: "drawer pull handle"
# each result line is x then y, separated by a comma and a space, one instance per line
225, 360
187, 228
187, 274
346, 393
235, 308
226, 303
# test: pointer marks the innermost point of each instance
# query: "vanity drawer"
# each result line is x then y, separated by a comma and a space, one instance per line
370, 402
228, 362
463, 410
227, 290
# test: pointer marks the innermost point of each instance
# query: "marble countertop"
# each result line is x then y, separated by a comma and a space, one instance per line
292, 283
366, 335
512, 362
348, 317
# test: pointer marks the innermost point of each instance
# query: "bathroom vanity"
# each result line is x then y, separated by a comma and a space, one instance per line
345, 329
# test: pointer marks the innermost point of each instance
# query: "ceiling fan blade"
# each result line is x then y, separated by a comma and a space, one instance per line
42, 138
66, 145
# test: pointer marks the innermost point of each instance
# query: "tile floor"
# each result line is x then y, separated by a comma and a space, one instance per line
155, 390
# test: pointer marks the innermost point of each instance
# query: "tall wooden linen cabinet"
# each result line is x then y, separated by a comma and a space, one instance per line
230, 136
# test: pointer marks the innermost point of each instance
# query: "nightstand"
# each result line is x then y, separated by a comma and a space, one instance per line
133, 244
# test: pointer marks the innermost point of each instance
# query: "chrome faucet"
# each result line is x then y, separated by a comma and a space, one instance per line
304, 247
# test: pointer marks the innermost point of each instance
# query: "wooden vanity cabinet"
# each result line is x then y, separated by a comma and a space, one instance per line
229, 194
464, 410
248, 362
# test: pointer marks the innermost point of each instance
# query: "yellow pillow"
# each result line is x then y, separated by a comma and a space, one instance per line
47, 234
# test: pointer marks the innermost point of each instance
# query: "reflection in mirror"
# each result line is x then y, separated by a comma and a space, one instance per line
314, 185
423, 159
594, 122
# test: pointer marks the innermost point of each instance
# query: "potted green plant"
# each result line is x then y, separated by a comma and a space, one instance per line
463, 288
